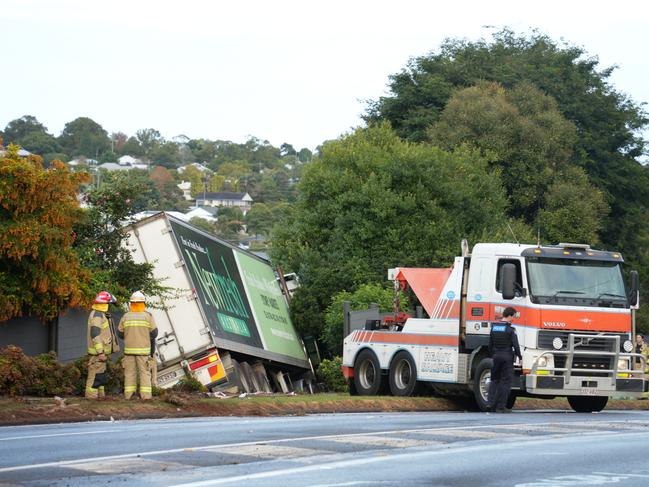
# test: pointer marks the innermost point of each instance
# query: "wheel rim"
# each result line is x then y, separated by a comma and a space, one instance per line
485, 382
367, 374
402, 374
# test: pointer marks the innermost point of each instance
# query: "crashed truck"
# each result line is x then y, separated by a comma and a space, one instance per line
228, 323
575, 324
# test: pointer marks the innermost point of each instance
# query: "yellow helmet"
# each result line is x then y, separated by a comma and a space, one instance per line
138, 297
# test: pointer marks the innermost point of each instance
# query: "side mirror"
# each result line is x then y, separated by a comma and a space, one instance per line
507, 280
633, 291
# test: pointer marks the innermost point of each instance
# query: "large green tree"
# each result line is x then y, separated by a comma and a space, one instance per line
84, 137
39, 271
372, 201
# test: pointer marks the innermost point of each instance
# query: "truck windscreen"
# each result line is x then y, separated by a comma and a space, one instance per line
576, 282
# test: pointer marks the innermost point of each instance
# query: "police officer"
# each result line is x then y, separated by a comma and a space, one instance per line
503, 344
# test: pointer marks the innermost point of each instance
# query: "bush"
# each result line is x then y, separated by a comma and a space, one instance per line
330, 372
188, 384
37, 376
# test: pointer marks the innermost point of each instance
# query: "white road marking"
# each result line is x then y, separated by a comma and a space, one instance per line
625, 474
471, 433
65, 463
91, 432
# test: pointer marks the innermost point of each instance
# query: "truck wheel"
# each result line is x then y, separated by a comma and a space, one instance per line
367, 374
587, 404
403, 375
481, 382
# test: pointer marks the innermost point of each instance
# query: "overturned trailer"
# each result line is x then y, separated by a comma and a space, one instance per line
228, 325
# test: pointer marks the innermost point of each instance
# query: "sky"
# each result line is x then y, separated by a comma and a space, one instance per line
284, 71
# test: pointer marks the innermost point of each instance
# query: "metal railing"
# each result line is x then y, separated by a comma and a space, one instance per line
570, 353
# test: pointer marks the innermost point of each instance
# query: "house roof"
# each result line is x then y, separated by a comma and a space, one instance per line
223, 195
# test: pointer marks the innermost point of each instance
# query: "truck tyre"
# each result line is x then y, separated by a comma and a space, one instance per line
587, 404
367, 374
481, 382
403, 375
250, 377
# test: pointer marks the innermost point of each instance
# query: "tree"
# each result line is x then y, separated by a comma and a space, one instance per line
170, 196
195, 178
84, 136
362, 298
217, 183
19, 128
371, 202
118, 141
39, 272
259, 219
149, 139
305, 155
230, 223
203, 224
287, 149
101, 235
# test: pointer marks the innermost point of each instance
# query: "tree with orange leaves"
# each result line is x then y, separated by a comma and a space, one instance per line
39, 270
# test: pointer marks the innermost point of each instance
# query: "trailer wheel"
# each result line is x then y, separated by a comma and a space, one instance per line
403, 375
367, 374
481, 382
587, 404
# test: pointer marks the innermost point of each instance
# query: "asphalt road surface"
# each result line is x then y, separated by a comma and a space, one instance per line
523, 449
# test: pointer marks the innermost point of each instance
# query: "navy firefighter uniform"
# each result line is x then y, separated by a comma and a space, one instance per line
503, 346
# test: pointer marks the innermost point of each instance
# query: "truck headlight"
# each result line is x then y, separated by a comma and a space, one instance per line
542, 362
557, 343
628, 346
622, 364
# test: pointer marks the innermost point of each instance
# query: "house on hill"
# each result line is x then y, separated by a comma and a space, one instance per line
243, 201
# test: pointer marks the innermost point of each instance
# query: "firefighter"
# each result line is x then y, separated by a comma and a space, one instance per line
138, 329
100, 344
503, 345
641, 348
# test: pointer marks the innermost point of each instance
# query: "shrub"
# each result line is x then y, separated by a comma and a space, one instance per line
330, 372
42, 375
188, 384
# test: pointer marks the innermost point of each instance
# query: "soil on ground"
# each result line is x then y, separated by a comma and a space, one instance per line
27, 410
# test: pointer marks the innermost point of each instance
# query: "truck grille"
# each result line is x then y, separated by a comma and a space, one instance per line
546, 337
591, 363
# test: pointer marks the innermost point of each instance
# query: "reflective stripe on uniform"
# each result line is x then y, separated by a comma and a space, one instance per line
145, 389
130, 323
137, 351
130, 388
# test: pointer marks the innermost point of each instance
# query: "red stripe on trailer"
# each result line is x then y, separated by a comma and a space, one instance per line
411, 338
205, 361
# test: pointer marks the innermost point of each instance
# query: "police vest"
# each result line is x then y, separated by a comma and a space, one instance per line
502, 337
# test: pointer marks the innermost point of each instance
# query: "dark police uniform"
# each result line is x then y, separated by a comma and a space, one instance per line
503, 344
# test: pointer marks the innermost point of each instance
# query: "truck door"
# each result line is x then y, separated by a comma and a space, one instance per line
519, 288
479, 294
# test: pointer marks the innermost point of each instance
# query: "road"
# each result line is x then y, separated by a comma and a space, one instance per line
522, 449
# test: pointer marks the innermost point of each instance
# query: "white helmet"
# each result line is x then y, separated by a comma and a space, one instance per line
138, 297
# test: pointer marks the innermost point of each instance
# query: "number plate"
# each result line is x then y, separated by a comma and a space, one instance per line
166, 378
589, 391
